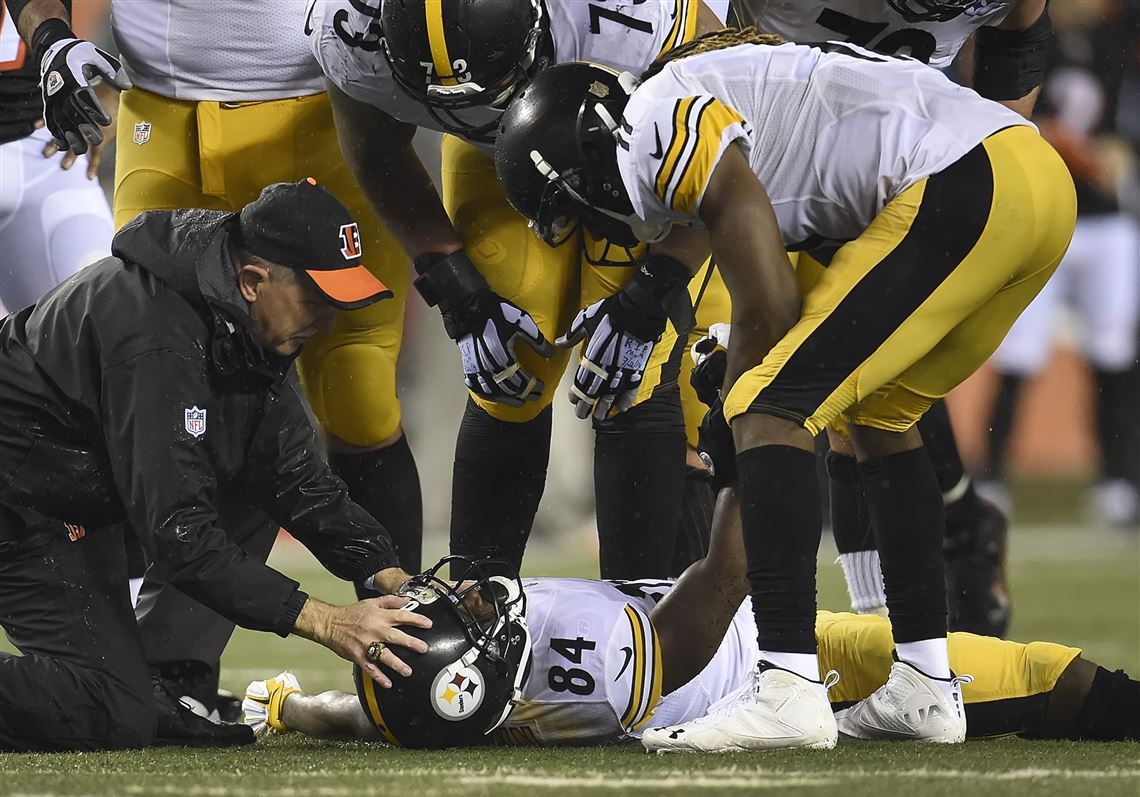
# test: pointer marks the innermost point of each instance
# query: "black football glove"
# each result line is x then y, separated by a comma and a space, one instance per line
622, 330
484, 325
716, 447
72, 112
710, 354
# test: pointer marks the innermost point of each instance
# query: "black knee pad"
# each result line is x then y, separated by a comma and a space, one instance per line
1112, 708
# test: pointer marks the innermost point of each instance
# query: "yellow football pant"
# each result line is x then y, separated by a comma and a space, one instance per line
219, 156
859, 648
924, 295
554, 283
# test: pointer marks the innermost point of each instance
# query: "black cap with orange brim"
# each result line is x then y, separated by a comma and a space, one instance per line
304, 227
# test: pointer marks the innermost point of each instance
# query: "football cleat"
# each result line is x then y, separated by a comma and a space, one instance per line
977, 589
264, 701
910, 706
777, 709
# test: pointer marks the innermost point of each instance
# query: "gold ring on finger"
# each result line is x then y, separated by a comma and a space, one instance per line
375, 650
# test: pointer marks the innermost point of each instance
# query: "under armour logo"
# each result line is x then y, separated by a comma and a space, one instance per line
925, 714
676, 732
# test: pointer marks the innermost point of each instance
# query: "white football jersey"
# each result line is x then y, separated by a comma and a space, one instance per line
873, 24
623, 34
596, 670
832, 137
206, 50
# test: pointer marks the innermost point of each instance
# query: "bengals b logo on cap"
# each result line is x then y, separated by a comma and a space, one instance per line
350, 241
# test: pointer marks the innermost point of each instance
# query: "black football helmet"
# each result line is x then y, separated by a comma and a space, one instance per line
456, 54
478, 658
556, 155
931, 10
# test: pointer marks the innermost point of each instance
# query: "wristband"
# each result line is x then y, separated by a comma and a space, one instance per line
446, 280
48, 33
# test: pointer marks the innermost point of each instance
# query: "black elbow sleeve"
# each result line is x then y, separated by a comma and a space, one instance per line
1008, 64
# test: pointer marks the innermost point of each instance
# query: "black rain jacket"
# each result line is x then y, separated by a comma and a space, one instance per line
102, 383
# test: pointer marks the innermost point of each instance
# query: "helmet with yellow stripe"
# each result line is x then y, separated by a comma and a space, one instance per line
456, 54
478, 658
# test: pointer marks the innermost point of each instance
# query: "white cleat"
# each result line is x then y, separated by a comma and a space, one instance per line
779, 709
264, 702
910, 706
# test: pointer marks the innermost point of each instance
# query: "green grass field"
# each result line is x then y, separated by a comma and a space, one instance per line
1073, 585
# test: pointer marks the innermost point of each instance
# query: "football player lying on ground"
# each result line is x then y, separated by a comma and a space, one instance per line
603, 652
912, 189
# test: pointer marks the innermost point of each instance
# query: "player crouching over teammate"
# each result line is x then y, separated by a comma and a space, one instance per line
911, 188
577, 661
148, 389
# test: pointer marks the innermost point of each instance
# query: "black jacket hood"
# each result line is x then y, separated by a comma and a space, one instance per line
189, 251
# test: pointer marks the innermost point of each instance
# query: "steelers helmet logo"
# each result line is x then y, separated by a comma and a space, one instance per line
457, 692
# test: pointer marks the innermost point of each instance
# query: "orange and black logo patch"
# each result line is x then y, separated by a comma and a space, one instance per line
350, 241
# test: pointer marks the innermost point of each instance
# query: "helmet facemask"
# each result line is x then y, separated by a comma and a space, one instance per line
443, 102
594, 193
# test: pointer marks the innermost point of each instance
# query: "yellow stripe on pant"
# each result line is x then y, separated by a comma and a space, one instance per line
219, 156
859, 648
952, 311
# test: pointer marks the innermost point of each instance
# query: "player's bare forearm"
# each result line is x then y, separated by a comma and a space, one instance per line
378, 149
750, 253
1025, 105
35, 13
687, 245
691, 620
329, 715
1024, 14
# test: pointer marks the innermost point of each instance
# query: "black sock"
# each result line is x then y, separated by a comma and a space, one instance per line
942, 447
499, 476
905, 506
1112, 709
639, 484
1116, 422
850, 522
779, 509
695, 529
1001, 424
963, 504
386, 483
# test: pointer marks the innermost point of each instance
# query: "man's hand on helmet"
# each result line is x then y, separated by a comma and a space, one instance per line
484, 325
620, 332
349, 631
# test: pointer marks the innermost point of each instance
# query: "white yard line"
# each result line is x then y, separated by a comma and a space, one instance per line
732, 778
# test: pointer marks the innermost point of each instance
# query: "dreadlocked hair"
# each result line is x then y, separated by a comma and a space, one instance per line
716, 40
